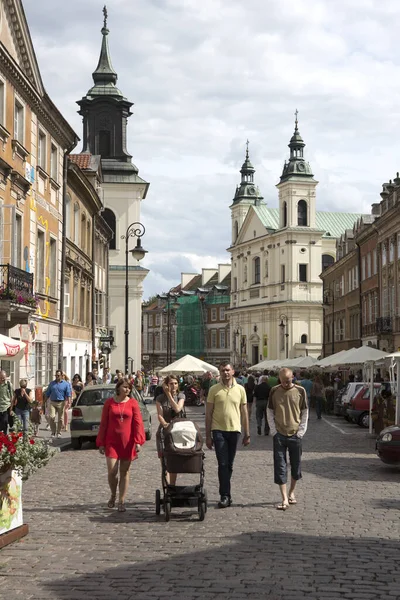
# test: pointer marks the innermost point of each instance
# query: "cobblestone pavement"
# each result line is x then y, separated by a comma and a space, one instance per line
340, 541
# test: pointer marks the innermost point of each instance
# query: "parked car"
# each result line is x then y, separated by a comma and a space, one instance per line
388, 445
358, 409
343, 398
87, 409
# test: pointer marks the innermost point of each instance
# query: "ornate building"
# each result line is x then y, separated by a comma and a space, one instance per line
105, 112
277, 257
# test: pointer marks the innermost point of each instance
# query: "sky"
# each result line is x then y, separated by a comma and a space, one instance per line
205, 76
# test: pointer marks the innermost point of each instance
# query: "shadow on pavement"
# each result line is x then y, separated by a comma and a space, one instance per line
262, 564
349, 468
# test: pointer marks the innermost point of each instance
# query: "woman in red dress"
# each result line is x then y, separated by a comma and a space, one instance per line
121, 434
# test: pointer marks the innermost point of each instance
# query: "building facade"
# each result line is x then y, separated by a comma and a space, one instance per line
105, 112
34, 140
277, 257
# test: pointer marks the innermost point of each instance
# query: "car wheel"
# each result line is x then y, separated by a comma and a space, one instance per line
76, 443
363, 420
158, 502
148, 435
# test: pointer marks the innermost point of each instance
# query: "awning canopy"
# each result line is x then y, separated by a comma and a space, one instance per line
11, 349
188, 364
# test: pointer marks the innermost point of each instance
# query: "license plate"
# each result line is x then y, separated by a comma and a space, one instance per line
95, 427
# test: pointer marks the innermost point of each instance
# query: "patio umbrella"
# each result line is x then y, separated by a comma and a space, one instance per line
358, 356
189, 364
11, 349
328, 360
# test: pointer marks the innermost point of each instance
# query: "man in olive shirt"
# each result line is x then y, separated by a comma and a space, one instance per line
226, 411
6, 394
287, 413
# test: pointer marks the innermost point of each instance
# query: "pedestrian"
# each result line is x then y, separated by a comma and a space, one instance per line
58, 392
261, 394
121, 435
106, 376
250, 386
169, 404
287, 413
138, 383
272, 379
22, 404
153, 383
77, 384
318, 395
306, 383
205, 386
90, 379
226, 414
96, 377
67, 404
6, 395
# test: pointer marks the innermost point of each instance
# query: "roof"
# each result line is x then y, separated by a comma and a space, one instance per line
82, 160
333, 224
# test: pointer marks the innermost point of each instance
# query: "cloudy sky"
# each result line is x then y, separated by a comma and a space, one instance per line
205, 75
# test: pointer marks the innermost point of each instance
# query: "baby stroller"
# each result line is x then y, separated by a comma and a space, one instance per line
182, 452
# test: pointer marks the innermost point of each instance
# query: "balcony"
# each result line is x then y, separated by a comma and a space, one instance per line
384, 324
17, 300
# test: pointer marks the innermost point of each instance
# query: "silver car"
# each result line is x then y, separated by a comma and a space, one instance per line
87, 409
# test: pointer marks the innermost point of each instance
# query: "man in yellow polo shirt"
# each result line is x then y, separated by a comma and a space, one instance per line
226, 412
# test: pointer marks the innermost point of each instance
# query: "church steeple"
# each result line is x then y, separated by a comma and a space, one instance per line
104, 75
297, 166
247, 192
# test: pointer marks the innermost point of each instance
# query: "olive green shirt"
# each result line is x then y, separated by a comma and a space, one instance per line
287, 406
6, 395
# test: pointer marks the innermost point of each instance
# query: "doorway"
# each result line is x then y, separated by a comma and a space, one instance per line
254, 355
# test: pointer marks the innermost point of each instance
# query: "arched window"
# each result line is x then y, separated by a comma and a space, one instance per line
88, 239
109, 218
68, 216
302, 214
256, 270
303, 339
76, 224
235, 231
266, 269
327, 261
284, 214
245, 273
83, 233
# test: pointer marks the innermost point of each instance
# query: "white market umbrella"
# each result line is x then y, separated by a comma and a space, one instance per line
332, 358
302, 362
11, 349
189, 364
359, 356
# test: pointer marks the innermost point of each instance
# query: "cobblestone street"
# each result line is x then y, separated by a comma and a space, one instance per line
340, 541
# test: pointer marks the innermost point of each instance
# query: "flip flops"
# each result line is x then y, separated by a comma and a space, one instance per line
292, 500
282, 506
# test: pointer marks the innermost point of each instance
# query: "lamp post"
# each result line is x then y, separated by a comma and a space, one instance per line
172, 305
138, 252
238, 334
329, 300
284, 328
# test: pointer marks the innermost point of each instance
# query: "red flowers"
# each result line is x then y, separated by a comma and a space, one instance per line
31, 441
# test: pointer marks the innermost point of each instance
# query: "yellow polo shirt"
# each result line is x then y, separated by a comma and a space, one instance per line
227, 403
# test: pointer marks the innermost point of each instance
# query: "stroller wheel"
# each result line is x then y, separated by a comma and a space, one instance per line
158, 502
167, 510
202, 510
205, 500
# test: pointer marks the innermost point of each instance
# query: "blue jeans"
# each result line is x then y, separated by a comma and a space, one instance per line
24, 416
225, 444
282, 445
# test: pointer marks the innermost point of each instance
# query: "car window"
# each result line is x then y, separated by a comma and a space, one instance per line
94, 397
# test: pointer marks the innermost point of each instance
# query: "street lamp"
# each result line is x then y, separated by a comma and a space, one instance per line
284, 329
138, 252
172, 305
329, 300
238, 334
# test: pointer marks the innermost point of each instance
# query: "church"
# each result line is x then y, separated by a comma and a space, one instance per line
277, 257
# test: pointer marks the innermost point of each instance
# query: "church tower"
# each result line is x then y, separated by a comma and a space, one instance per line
297, 187
246, 195
105, 113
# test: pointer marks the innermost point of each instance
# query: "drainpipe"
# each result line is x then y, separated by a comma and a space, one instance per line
63, 252
93, 290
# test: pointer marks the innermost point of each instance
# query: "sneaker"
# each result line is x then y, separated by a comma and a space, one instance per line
53, 435
47, 427
224, 502
59, 435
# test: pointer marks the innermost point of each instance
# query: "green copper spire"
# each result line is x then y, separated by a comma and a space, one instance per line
296, 166
104, 76
247, 192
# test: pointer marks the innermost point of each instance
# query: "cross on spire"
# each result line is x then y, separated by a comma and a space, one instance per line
296, 115
247, 148
105, 13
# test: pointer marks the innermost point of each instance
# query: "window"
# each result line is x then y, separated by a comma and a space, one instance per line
53, 267
109, 218
213, 314
66, 300
68, 216
222, 341
266, 269
18, 121
158, 317
42, 150
284, 214
303, 339
363, 263
83, 233
2, 103
100, 314
104, 143
391, 251
302, 214
76, 304
76, 224
245, 274
235, 284
213, 338
369, 266
40, 261
88, 239
222, 313
327, 261
303, 273
282, 273
235, 231
82, 316
383, 254
54, 163
18, 240
375, 261
256, 266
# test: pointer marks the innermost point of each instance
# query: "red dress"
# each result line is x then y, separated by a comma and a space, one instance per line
121, 428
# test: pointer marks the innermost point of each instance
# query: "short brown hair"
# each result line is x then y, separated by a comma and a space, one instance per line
122, 382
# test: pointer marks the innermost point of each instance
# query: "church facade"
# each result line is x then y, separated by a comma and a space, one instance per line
105, 113
277, 257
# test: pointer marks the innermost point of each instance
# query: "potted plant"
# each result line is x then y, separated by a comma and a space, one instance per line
20, 456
